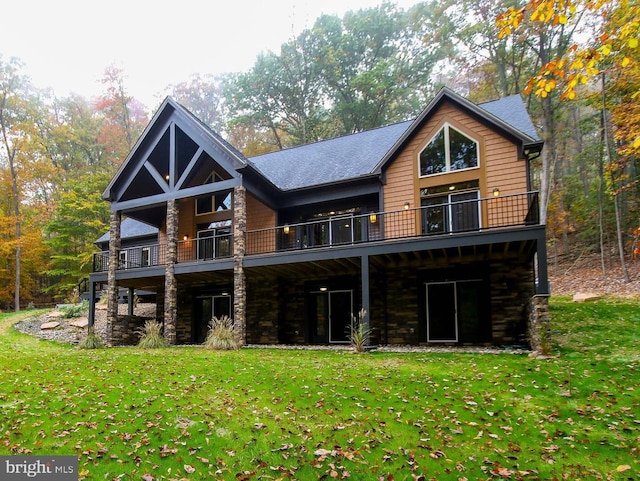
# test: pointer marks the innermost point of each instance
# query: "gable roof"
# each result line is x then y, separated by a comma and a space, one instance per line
328, 161
169, 150
130, 228
365, 153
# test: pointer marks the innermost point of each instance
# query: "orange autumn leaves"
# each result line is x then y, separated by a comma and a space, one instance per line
614, 46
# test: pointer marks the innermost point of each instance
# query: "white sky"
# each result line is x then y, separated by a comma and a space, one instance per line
66, 44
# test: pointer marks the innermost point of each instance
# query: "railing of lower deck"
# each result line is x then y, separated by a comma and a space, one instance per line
500, 212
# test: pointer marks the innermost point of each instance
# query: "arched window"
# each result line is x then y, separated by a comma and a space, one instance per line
449, 150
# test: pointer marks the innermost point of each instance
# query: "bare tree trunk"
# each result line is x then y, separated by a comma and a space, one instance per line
616, 194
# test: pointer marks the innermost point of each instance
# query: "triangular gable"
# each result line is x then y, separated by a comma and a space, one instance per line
526, 142
173, 153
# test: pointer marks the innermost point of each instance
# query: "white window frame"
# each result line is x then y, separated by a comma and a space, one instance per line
447, 151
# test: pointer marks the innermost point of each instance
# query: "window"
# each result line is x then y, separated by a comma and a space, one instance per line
449, 151
145, 257
122, 260
213, 203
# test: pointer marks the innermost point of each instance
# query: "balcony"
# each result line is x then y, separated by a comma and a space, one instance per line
493, 213
476, 215
203, 249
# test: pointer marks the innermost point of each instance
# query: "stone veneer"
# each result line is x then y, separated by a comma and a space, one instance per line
114, 327
170, 284
239, 278
539, 327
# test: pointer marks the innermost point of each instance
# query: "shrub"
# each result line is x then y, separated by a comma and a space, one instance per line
222, 334
151, 336
360, 332
92, 341
75, 310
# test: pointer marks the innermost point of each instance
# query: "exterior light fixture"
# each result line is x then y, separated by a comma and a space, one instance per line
406, 205
285, 229
185, 237
452, 187
496, 192
323, 289
166, 177
373, 218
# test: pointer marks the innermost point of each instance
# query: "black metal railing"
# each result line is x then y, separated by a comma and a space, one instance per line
499, 212
190, 250
505, 211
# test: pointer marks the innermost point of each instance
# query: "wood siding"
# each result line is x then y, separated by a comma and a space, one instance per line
499, 166
259, 216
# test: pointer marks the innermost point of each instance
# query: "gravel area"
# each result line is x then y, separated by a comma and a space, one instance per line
68, 331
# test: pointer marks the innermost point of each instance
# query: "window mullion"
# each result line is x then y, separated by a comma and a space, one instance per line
447, 149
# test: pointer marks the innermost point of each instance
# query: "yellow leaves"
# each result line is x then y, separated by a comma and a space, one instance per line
633, 43
625, 61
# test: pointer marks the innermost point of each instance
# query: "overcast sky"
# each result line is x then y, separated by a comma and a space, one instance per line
66, 44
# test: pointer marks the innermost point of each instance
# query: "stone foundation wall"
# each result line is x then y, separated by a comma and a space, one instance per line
262, 312
402, 310
539, 329
511, 287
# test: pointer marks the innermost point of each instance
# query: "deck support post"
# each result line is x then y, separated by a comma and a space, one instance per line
114, 330
239, 248
170, 284
364, 279
92, 305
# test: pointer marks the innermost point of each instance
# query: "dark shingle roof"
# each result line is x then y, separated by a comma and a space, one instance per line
131, 228
512, 111
358, 155
328, 161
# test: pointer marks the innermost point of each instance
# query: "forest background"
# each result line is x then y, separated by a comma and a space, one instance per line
575, 63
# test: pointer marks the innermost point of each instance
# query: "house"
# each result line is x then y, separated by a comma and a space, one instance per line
430, 225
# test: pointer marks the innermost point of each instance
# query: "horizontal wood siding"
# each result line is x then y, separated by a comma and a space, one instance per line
259, 216
499, 168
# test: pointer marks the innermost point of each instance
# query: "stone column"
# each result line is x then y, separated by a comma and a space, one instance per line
239, 278
114, 329
170, 285
539, 327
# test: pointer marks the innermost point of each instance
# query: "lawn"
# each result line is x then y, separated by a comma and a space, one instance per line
189, 413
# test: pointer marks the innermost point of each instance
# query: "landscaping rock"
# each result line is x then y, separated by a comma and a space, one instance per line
586, 296
49, 325
80, 322
55, 314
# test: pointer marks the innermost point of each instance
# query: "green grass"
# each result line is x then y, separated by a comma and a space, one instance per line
192, 413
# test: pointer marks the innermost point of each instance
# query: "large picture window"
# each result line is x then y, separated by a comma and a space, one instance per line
449, 151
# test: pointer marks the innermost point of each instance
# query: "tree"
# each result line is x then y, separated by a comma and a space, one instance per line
368, 69
16, 130
376, 64
80, 217
612, 48
124, 117
202, 95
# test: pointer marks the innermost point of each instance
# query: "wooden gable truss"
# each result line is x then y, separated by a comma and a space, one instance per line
171, 160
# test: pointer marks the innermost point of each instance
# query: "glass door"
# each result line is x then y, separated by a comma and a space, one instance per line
331, 315
208, 307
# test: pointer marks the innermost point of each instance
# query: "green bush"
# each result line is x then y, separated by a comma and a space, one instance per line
75, 310
360, 332
222, 334
92, 341
151, 336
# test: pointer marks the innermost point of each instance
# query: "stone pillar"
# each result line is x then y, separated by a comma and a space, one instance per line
239, 278
170, 285
114, 329
539, 327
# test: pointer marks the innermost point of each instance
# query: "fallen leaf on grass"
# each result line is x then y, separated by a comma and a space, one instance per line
622, 468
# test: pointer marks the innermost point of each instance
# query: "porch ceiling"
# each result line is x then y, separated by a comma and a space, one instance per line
434, 258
